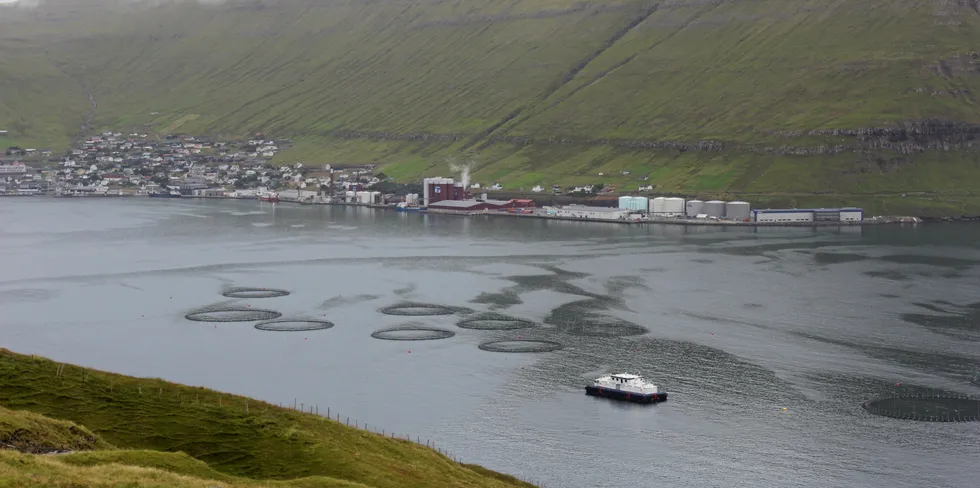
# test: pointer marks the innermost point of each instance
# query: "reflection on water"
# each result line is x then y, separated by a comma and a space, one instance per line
767, 340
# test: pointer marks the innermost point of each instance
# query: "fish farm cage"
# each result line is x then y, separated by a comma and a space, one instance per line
232, 314
293, 325
926, 408
245, 292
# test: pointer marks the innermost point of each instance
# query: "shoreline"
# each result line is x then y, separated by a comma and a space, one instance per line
491, 213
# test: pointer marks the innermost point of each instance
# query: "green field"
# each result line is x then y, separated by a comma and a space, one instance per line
755, 97
156, 433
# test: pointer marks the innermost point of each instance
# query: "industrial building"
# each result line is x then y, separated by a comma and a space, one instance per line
479, 205
586, 212
848, 214
438, 189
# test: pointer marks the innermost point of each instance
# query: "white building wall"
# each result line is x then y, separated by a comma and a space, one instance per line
590, 214
763, 216
851, 216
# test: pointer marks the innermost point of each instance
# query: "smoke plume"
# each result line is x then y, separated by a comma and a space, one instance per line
463, 168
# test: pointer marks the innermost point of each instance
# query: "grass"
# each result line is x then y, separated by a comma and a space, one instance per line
156, 421
740, 71
32, 433
25, 470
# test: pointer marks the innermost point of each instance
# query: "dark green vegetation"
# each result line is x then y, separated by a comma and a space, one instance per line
36, 434
196, 432
806, 102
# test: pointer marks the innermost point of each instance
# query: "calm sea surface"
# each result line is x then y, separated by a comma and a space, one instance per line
767, 340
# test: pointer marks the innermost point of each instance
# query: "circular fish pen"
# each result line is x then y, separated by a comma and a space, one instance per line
420, 309
245, 292
602, 329
521, 346
494, 322
293, 325
939, 408
412, 334
232, 314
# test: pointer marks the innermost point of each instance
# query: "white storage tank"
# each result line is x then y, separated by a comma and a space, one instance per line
714, 208
640, 204
674, 206
737, 210
412, 198
693, 208
349, 196
657, 205
625, 202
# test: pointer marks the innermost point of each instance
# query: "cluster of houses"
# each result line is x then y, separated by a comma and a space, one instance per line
138, 163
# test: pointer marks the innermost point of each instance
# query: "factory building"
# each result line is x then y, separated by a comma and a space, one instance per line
849, 214
438, 189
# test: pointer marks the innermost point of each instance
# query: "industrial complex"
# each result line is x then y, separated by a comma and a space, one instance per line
661, 208
445, 195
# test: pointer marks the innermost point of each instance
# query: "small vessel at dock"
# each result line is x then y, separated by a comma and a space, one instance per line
268, 196
165, 194
407, 207
627, 387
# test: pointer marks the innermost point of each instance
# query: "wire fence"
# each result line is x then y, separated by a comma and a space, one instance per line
197, 397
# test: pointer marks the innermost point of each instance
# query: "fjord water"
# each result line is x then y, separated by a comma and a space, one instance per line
766, 339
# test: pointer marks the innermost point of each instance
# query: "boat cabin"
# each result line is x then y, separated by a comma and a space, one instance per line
625, 377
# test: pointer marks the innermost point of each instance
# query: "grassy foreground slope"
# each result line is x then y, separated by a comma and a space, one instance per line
804, 100
205, 434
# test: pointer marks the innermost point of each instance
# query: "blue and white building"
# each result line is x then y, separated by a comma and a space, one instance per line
847, 214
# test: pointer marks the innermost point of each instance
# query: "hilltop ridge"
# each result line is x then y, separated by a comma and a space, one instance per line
120, 429
810, 101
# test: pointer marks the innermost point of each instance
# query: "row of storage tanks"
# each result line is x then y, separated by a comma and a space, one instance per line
678, 207
363, 197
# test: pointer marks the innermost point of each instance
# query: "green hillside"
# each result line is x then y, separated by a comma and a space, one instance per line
149, 432
794, 102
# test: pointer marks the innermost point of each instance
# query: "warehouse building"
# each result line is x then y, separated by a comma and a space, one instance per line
586, 212
479, 205
848, 214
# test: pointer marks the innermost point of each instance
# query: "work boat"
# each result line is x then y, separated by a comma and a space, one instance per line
626, 387
268, 196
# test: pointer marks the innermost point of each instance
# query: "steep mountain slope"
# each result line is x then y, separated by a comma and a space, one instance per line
857, 99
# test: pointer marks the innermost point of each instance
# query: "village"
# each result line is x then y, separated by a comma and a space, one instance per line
117, 164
